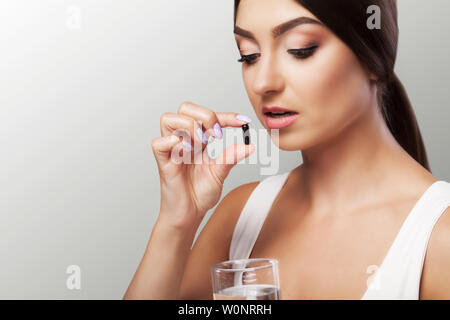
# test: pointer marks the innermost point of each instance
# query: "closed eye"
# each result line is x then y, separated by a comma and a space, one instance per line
302, 53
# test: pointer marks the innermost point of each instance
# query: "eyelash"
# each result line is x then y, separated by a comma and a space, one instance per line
297, 53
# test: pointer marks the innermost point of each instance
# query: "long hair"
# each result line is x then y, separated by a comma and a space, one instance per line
376, 49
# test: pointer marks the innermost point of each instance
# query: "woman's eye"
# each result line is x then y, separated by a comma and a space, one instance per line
249, 59
297, 53
303, 53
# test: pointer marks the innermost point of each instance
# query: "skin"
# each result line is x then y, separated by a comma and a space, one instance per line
347, 188
339, 211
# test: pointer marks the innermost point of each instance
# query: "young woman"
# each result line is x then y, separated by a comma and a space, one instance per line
362, 206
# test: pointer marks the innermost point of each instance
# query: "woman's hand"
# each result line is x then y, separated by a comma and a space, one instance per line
192, 182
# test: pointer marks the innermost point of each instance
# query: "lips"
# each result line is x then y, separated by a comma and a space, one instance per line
278, 117
276, 109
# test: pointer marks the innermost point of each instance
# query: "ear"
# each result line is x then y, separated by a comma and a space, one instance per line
373, 77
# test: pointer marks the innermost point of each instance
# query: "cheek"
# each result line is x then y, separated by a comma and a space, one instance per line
248, 79
334, 89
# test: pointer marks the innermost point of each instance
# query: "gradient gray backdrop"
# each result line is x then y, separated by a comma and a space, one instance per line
80, 107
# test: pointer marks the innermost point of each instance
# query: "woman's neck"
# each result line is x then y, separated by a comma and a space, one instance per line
351, 170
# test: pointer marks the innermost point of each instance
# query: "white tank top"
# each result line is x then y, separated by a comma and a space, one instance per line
399, 275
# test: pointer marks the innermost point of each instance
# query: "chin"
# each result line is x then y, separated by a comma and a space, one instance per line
291, 142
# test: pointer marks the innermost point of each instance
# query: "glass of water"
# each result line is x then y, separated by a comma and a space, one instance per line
246, 279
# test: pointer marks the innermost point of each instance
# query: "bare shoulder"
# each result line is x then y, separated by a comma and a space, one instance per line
435, 282
212, 244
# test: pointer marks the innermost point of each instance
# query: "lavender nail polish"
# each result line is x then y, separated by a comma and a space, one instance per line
243, 118
188, 145
218, 131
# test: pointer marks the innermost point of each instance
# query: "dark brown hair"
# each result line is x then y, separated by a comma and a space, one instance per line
376, 49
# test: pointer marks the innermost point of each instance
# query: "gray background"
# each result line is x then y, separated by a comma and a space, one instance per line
80, 107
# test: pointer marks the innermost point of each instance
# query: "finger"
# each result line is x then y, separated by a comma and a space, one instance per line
230, 119
205, 117
182, 126
213, 122
162, 147
230, 157
170, 122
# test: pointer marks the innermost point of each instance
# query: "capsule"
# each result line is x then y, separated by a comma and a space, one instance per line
246, 134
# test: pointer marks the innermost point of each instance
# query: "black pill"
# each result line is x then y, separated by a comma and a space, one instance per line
246, 134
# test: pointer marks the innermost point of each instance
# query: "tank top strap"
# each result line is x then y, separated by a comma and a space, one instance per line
400, 273
253, 215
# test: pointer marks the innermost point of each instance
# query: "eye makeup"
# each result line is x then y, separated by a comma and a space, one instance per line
302, 53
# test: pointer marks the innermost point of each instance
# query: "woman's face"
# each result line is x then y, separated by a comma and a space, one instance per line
326, 86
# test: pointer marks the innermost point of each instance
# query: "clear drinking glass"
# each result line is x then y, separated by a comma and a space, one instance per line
246, 279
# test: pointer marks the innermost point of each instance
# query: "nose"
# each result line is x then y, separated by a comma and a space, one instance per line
268, 78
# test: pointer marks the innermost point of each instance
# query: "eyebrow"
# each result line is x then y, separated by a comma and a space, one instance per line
280, 29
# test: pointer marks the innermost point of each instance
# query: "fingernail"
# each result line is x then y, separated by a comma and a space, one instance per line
202, 135
243, 118
218, 131
188, 145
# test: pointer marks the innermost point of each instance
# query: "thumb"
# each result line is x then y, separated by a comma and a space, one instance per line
230, 157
